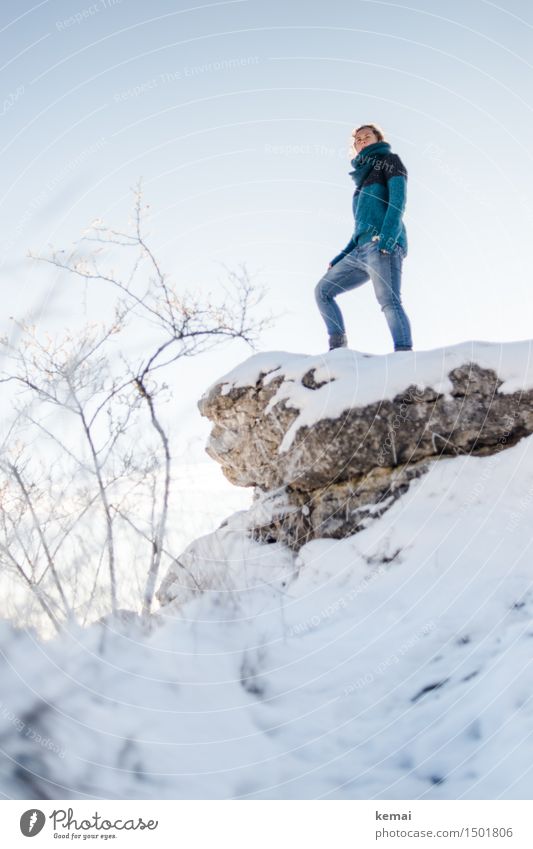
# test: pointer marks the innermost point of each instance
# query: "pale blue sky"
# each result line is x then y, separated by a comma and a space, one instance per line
238, 117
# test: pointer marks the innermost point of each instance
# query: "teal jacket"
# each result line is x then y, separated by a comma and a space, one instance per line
379, 199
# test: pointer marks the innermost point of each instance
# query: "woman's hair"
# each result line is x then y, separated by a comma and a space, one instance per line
375, 128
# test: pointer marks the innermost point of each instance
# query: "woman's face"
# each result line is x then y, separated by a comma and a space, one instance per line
362, 138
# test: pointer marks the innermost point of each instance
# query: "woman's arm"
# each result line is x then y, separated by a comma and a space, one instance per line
349, 247
396, 177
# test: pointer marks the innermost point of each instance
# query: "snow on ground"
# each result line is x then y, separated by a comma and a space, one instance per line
361, 379
396, 664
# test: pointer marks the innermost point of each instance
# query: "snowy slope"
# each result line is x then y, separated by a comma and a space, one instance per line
395, 664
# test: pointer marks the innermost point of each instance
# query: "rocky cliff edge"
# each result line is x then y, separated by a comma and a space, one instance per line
330, 442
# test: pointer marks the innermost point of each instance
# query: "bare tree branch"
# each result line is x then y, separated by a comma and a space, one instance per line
89, 401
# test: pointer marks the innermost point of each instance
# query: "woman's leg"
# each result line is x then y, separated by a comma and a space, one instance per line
346, 274
386, 275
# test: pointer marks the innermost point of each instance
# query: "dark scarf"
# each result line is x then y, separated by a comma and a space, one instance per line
366, 159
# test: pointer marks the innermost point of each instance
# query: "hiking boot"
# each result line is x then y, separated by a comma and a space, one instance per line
402, 349
338, 340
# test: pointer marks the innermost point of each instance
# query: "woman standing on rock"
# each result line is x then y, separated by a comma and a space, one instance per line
379, 243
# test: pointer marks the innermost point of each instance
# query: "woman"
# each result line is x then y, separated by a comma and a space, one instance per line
379, 243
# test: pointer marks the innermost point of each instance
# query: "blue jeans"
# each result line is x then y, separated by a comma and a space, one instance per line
358, 266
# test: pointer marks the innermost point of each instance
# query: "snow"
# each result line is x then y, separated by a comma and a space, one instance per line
354, 379
395, 664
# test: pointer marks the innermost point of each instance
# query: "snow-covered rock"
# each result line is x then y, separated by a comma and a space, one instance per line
341, 435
